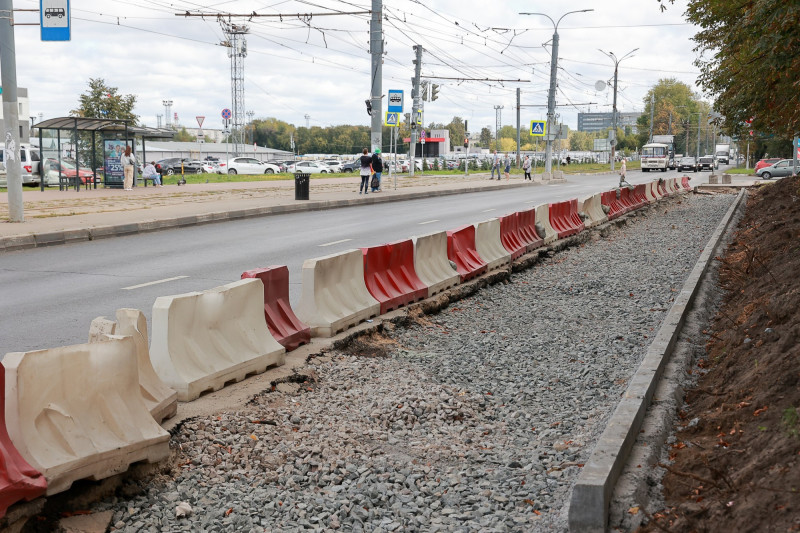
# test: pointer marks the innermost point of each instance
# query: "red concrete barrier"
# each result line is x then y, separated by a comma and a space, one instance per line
685, 183
640, 193
565, 219
510, 235
284, 325
626, 198
461, 250
390, 276
615, 207
527, 229
662, 188
18, 480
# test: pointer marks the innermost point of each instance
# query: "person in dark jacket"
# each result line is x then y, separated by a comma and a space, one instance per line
377, 168
366, 171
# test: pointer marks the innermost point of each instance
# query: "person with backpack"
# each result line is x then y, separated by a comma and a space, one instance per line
366, 171
377, 169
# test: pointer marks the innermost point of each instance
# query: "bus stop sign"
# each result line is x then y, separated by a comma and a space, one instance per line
54, 20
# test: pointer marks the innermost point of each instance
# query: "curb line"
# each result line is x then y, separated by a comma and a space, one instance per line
38, 240
591, 495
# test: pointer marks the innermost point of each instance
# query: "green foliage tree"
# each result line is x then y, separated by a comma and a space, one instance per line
486, 137
184, 136
103, 101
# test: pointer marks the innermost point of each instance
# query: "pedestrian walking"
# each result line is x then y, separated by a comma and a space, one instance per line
526, 167
377, 169
506, 167
366, 171
495, 165
127, 160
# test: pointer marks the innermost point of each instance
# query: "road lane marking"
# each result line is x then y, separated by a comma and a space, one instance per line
335, 242
429, 222
152, 283
487, 210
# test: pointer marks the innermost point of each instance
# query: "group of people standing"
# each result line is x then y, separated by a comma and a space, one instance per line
506, 165
371, 166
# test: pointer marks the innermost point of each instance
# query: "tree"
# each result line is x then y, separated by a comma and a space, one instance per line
486, 137
749, 60
184, 136
102, 101
674, 104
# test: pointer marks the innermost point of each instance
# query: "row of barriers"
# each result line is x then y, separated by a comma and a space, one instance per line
89, 411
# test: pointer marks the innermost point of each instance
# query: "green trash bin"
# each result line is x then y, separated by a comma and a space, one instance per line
301, 183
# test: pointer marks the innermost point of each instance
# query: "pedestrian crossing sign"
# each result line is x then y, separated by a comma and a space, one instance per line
538, 128
392, 119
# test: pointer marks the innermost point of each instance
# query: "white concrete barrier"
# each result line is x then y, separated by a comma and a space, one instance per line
648, 193
161, 401
671, 187
654, 190
75, 412
489, 246
334, 296
203, 340
543, 218
593, 208
431, 263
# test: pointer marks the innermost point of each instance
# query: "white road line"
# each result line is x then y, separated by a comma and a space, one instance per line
335, 242
152, 283
487, 210
429, 222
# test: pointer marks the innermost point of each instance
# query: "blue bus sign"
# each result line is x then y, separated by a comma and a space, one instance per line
395, 101
54, 20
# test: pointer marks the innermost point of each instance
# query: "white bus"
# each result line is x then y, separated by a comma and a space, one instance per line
655, 156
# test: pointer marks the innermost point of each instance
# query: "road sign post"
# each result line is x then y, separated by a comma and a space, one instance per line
538, 128
392, 119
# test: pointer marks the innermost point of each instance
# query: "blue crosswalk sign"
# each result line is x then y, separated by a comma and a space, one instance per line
392, 119
538, 128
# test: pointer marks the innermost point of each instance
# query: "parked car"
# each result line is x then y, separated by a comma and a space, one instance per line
334, 164
352, 166
31, 169
766, 162
172, 166
51, 171
310, 167
707, 163
687, 163
246, 165
210, 167
784, 167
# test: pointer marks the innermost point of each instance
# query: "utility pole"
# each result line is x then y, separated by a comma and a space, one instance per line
308, 119
252, 129
652, 113
158, 119
8, 81
497, 126
518, 126
167, 112
376, 50
416, 99
614, 108
237, 51
699, 115
551, 97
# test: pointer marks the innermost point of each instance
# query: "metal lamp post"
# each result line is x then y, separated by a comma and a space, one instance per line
614, 108
551, 97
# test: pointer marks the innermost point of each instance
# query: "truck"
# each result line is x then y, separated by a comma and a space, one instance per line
723, 154
669, 140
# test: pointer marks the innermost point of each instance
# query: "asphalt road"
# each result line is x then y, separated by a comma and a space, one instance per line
50, 295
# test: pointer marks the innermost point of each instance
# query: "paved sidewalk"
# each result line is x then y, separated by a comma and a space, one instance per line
56, 217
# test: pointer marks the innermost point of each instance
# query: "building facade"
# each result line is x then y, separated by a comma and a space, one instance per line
591, 122
24, 115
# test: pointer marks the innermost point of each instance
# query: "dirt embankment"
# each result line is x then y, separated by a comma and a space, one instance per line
736, 461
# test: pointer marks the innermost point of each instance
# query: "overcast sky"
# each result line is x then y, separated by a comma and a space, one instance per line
321, 67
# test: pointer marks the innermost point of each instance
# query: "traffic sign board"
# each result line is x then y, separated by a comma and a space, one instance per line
419, 118
392, 119
395, 101
200, 121
422, 136
538, 128
226, 113
54, 20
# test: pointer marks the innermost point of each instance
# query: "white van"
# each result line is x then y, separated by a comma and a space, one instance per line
29, 159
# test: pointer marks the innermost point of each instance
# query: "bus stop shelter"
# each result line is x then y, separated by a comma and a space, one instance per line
84, 131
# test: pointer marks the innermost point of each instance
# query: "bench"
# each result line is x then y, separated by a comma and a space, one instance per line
145, 179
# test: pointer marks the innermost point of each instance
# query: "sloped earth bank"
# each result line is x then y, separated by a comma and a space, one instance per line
734, 461
478, 418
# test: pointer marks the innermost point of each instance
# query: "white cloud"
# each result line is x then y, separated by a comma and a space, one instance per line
324, 71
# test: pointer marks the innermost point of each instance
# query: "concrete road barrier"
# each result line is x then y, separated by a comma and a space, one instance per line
334, 296
662, 188
685, 183
75, 412
627, 199
390, 275
564, 218
640, 193
203, 340
431, 262
527, 230
592, 206
283, 324
18, 480
543, 219
611, 200
510, 235
161, 401
461, 251
489, 246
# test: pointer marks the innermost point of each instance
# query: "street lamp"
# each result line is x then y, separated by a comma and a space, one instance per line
614, 110
551, 97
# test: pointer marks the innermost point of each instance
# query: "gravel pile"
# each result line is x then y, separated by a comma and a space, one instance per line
479, 419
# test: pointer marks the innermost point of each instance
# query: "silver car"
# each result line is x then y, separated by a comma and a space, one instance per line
782, 168
309, 167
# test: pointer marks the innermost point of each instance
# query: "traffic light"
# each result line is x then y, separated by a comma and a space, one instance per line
434, 92
369, 107
466, 142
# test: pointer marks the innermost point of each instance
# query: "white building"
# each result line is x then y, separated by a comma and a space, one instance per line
24, 115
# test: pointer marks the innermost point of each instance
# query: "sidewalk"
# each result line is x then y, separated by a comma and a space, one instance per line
57, 217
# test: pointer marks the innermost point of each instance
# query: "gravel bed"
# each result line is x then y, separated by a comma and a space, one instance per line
475, 419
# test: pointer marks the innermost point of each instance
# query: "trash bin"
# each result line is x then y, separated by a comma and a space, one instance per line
301, 181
